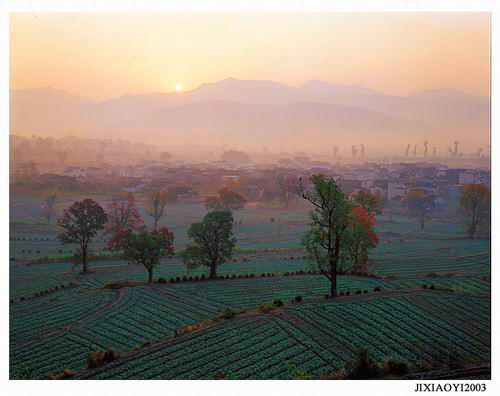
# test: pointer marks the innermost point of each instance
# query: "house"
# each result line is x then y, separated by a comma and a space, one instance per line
474, 177
75, 172
396, 189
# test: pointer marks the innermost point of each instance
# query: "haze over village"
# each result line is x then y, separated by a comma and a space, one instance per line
239, 196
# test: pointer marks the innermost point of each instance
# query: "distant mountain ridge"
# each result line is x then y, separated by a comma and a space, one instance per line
330, 111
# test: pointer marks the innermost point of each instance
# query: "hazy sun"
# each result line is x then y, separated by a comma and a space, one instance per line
178, 87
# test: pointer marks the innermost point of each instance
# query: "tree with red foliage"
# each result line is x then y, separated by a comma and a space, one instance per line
81, 222
360, 238
227, 199
123, 215
146, 247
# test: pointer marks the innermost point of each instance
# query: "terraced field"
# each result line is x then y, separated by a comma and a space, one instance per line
57, 316
317, 337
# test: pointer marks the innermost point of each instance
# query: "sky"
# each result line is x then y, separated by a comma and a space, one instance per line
104, 55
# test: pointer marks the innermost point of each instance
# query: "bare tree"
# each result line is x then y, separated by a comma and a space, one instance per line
415, 150
425, 148
362, 149
354, 151
407, 150
456, 149
155, 205
49, 207
335, 151
434, 151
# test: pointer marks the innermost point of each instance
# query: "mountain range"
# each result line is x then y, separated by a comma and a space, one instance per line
250, 114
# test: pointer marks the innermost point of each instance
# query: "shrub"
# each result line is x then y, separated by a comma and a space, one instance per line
239, 276
278, 303
341, 293
268, 274
363, 366
177, 279
246, 275
358, 291
100, 358
252, 275
301, 272
67, 373
196, 278
432, 287
265, 308
22, 298
190, 279
298, 299
365, 291
424, 286
395, 366
172, 280
62, 286
334, 375
263, 275
202, 277
327, 296
377, 289
228, 314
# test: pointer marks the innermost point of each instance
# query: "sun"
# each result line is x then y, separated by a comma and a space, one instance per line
178, 87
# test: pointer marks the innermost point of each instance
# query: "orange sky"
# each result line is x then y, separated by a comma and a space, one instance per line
103, 55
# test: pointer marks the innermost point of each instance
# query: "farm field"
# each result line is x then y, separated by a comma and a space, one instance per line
318, 337
58, 316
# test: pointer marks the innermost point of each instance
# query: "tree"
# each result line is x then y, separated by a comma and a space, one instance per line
330, 220
360, 238
419, 203
146, 247
227, 199
365, 199
475, 203
155, 205
123, 215
81, 222
49, 207
213, 242
288, 186
231, 200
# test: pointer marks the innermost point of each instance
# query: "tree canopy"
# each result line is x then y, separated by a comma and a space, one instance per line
146, 247
227, 199
419, 203
475, 203
213, 242
330, 220
123, 214
81, 222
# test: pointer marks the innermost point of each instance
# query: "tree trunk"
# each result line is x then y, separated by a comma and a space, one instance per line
472, 231
422, 222
333, 284
155, 222
84, 261
150, 280
213, 271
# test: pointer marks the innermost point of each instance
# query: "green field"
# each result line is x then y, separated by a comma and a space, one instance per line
58, 316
